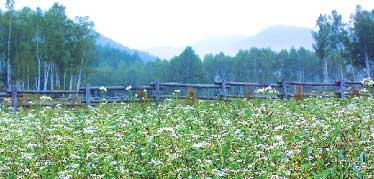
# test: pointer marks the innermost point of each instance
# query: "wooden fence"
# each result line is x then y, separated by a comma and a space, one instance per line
156, 88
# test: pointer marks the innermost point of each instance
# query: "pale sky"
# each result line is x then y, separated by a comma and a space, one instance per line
143, 24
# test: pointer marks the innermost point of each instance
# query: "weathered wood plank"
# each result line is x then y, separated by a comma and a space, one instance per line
311, 84
190, 85
97, 88
232, 83
50, 92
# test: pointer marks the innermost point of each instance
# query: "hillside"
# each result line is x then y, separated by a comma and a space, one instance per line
105, 41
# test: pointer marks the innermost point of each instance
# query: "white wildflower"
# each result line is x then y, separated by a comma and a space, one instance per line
219, 173
113, 163
364, 91
128, 88
166, 129
45, 98
200, 145
267, 91
278, 138
367, 82
103, 89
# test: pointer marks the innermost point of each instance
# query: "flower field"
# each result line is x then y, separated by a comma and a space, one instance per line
313, 138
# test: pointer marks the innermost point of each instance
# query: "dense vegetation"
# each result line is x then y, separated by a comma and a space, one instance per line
314, 138
46, 50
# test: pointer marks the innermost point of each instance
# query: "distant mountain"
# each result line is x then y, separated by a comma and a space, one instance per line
274, 37
278, 38
217, 44
105, 41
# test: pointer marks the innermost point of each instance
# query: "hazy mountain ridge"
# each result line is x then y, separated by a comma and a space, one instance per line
274, 37
144, 56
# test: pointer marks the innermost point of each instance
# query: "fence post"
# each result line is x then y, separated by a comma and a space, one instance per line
157, 95
284, 88
223, 90
88, 95
342, 89
14, 98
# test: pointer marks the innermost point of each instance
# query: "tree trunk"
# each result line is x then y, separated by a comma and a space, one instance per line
57, 77
341, 71
367, 64
64, 79
7, 71
353, 70
28, 78
71, 79
80, 71
46, 74
325, 71
52, 80
38, 57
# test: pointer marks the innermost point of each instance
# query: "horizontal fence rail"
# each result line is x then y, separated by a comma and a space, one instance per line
215, 91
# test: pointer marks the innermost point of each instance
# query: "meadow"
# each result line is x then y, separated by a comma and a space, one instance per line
310, 138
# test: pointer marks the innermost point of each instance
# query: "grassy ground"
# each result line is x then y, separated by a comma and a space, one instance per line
314, 138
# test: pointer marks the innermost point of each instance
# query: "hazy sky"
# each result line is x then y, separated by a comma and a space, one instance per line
143, 24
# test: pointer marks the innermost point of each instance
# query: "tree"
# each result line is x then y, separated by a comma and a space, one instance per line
10, 6
321, 46
187, 67
363, 37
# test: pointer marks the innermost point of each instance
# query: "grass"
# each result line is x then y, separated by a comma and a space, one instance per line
314, 138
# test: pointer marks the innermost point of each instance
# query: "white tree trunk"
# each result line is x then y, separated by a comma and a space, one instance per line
46, 75
52, 81
367, 64
71, 79
38, 57
325, 71
8, 72
64, 79
341, 71
80, 71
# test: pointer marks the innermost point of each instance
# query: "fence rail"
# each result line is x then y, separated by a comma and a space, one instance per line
284, 87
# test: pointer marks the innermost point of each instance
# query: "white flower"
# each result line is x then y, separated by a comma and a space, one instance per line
102, 88
267, 91
177, 91
166, 129
75, 166
128, 88
45, 98
278, 138
219, 173
364, 91
367, 82
113, 163
200, 145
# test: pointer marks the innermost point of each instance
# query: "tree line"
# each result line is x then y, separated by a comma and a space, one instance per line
46, 50
340, 45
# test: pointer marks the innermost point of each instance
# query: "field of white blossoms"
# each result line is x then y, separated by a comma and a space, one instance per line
313, 138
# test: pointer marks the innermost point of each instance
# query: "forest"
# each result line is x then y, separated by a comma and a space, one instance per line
45, 50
